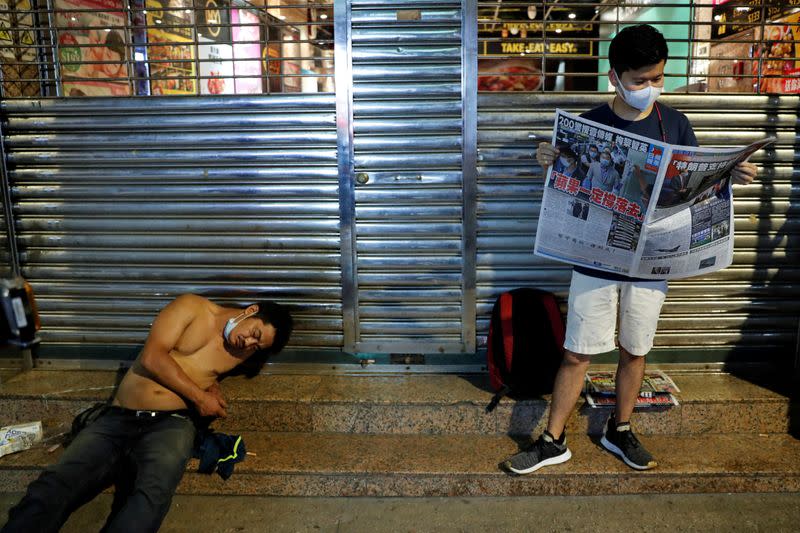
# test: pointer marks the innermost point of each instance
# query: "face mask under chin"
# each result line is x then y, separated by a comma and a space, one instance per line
231, 324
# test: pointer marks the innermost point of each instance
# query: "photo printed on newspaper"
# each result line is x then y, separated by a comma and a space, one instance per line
598, 209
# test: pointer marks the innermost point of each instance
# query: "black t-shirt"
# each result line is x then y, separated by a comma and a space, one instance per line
677, 129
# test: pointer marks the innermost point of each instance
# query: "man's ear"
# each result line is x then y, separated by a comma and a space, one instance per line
612, 77
251, 309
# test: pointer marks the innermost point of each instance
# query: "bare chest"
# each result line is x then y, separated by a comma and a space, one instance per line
201, 354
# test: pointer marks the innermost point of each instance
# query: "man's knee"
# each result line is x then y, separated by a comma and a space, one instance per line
575, 360
171, 463
626, 358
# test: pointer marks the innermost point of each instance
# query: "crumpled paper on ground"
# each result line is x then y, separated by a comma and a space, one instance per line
19, 437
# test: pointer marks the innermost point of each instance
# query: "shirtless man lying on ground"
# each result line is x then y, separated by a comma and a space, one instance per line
141, 443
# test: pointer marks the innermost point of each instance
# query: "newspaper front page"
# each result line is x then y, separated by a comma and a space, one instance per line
598, 208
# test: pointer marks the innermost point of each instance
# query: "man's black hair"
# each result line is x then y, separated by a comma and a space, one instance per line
278, 315
635, 47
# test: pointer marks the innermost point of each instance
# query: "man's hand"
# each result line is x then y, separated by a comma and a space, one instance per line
546, 153
211, 402
744, 173
216, 390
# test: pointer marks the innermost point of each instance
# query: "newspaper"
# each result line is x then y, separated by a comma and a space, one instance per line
657, 390
603, 217
654, 382
19, 437
661, 400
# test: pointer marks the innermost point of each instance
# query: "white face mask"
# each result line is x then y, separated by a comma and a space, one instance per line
640, 99
564, 162
232, 323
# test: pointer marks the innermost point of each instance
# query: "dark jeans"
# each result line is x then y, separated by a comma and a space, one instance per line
144, 456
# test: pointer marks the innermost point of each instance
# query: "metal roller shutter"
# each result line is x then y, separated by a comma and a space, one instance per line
121, 204
752, 305
411, 265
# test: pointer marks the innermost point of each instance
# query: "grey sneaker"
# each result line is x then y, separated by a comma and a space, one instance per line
544, 452
621, 441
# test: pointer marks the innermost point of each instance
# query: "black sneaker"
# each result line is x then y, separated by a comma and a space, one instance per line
621, 441
545, 451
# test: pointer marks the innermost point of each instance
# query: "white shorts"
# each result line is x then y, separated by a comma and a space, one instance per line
592, 314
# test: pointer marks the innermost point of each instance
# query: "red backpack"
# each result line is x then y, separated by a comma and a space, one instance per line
525, 344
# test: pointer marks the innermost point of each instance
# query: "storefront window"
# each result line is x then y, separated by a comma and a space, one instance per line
165, 47
537, 46
741, 46
79, 48
755, 48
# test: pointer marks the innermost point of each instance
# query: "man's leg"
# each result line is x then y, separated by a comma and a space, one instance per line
640, 306
630, 372
591, 321
566, 390
85, 468
158, 460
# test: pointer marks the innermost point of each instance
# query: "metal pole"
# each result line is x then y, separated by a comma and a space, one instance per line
469, 171
690, 48
343, 65
50, 73
761, 50
5, 185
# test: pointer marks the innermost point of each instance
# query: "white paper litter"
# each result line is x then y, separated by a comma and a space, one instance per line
19, 437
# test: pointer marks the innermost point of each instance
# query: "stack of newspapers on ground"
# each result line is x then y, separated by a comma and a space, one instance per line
657, 390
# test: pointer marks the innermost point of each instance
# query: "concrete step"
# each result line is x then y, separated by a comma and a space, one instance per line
710, 403
338, 464
699, 513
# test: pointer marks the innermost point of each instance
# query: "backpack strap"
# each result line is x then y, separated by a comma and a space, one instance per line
497, 397
507, 329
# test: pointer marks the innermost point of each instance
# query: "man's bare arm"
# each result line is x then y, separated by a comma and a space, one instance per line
167, 328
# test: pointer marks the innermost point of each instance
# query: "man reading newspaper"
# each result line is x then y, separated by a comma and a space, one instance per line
637, 56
